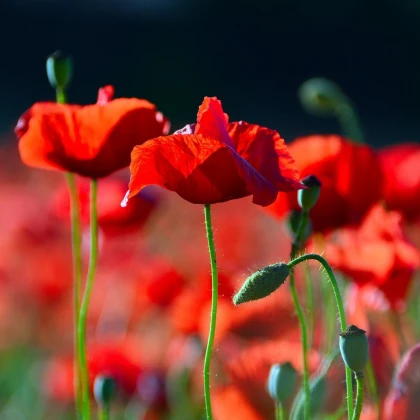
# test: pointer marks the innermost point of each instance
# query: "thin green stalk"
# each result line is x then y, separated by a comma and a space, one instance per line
342, 316
296, 246
76, 240
213, 315
349, 121
310, 303
329, 315
360, 381
81, 330
104, 411
280, 411
373, 387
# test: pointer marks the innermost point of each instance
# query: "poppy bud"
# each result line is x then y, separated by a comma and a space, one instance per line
281, 382
307, 198
104, 389
354, 348
59, 70
321, 96
262, 283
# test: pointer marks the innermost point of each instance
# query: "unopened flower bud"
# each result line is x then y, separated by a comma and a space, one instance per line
321, 96
354, 348
262, 283
282, 381
104, 389
59, 70
307, 198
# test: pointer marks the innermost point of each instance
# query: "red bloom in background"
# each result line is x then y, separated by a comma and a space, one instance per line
112, 218
93, 140
401, 171
214, 161
118, 360
403, 401
376, 253
351, 180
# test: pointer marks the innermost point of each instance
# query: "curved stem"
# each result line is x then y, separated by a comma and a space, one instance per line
310, 303
373, 387
213, 315
81, 330
296, 246
76, 239
360, 392
342, 315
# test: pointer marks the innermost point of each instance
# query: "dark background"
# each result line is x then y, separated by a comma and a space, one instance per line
252, 55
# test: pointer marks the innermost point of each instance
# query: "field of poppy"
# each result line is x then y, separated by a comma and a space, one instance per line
215, 271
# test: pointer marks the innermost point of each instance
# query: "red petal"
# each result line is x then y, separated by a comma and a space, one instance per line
92, 141
266, 151
201, 170
212, 121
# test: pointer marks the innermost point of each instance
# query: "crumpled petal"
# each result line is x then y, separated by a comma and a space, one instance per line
201, 170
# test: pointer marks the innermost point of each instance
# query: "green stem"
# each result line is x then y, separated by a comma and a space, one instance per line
76, 240
104, 411
329, 314
296, 246
360, 392
213, 315
81, 330
373, 386
310, 303
60, 95
280, 412
349, 121
342, 316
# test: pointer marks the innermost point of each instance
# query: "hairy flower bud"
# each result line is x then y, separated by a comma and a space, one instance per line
262, 283
354, 348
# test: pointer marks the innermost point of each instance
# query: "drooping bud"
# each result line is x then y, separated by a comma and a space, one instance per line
321, 96
307, 198
282, 381
262, 283
59, 70
354, 348
104, 389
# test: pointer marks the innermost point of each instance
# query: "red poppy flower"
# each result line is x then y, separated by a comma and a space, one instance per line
93, 140
350, 175
401, 171
214, 161
377, 253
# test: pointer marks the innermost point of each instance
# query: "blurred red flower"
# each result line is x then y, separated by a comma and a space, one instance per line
403, 401
112, 219
351, 180
401, 171
376, 253
214, 161
93, 140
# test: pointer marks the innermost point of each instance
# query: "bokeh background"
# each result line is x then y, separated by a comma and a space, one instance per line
251, 54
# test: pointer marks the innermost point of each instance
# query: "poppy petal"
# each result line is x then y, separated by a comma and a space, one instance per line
267, 152
212, 121
92, 141
201, 170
